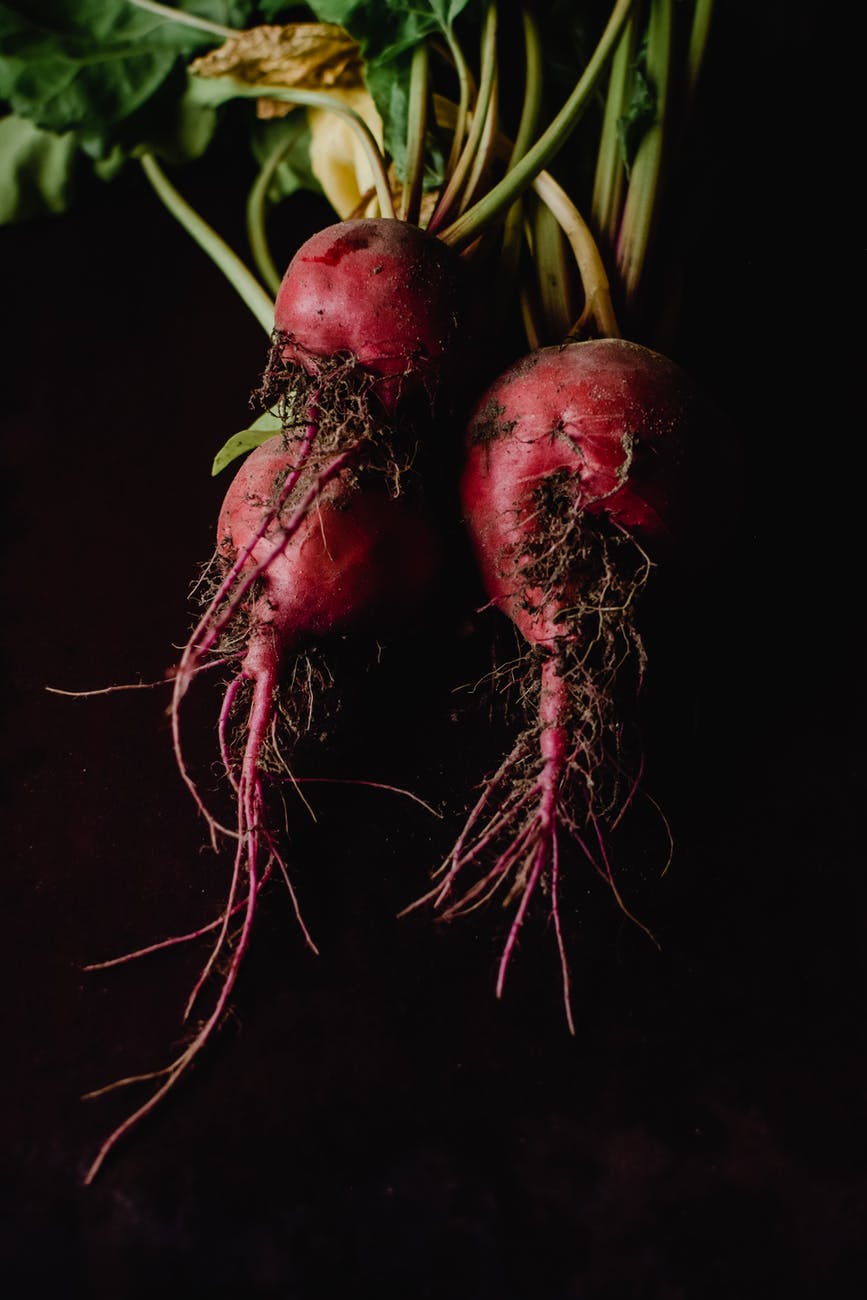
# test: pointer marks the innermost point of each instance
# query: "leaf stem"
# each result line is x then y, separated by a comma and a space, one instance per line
597, 291
610, 174
642, 196
464, 82
513, 229
591, 268
480, 111
552, 264
257, 204
532, 104
486, 147
481, 214
698, 38
238, 275
410, 204
184, 18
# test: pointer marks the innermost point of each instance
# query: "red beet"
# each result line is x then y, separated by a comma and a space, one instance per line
381, 292
573, 459
305, 550
318, 532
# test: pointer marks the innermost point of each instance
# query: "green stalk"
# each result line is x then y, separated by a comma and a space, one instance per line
241, 279
464, 80
552, 268
319, 99
642, 195
532, 104
530, 315
480, 111
597, 291
486, 150
698, 38
185, 19
257, 202
594, 279
513, 229
410, 204
609, 178
481, 214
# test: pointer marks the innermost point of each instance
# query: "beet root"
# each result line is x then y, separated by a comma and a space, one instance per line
570, 490
370, 316
318, 532
306, 550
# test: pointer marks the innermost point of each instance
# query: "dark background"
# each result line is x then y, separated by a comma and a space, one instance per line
374, 1121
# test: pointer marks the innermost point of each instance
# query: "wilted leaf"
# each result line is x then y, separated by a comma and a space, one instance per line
307, 56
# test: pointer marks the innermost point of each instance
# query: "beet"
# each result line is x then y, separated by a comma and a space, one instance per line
372, 311
305, 551
570, 488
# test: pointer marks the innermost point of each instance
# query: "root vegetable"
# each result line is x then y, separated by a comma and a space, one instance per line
570, 485
374, 304
306, 551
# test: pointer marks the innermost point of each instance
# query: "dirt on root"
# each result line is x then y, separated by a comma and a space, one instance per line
340, 395
593, 573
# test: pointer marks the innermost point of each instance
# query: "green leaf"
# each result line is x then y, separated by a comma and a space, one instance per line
90, 65
240, 443
37, 170
276, 11
388, 83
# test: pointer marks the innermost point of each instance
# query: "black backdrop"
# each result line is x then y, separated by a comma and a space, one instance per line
373, 1121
